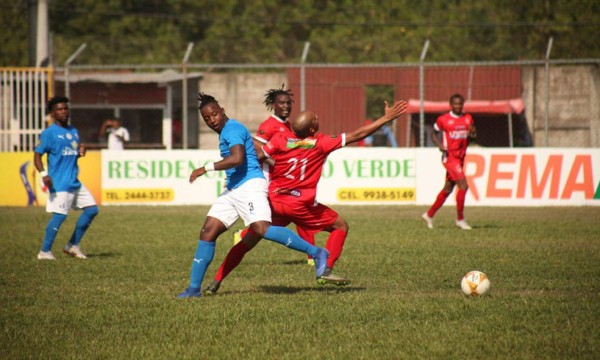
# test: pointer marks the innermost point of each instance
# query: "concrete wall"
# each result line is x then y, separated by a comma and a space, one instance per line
574, 105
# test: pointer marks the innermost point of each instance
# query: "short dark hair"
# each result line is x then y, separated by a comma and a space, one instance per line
206, 99
271, 96
55, 100
457, 96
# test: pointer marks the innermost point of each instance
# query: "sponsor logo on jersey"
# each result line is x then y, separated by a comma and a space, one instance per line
69, 152
458, 134
301, 143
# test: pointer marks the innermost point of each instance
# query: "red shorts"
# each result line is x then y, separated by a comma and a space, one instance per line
454, 168
311, 219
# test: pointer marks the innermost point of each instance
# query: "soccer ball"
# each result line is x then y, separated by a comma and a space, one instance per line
475, 283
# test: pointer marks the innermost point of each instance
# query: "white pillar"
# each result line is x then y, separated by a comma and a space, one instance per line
41, 53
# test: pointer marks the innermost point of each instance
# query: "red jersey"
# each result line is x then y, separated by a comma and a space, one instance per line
298, 165
455, 130
272, 126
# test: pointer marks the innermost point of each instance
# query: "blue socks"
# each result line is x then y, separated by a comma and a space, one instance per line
83, 223
51, 230
290, 239
204, 255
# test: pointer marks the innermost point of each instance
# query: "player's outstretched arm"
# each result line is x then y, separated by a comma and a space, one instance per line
391, 113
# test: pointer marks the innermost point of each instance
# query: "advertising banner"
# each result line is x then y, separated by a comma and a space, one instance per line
517, 177
21, 185
362, 176
156, 177
350, 176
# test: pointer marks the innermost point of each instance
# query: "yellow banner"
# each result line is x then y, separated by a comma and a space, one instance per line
21, 185
376, 194
137, 195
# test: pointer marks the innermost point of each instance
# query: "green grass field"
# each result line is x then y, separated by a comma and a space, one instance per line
404, 303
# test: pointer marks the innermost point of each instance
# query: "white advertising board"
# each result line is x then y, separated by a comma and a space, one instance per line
157, 177
369, 176
517, 177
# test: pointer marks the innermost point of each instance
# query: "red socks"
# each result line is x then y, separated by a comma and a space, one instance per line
335, 244
233, 259
439, 201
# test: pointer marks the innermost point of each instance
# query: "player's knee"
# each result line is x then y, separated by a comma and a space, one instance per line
341, 224
260, 228
57, 219
91, 211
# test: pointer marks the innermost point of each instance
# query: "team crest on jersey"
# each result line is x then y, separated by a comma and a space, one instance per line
333, 136
262, 132
69, 136
74, 144
301, 143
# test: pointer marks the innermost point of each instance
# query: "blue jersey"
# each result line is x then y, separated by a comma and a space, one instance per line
62, 146
234, 133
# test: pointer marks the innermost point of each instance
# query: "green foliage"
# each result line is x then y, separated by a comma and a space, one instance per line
271, 31
14, 50
404, 303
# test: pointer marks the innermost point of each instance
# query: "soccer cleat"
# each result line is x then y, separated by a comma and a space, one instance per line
428, 220
74, 250
212, 288
237, 236
310, 262
320, 259
329, 277
463, 224
45, 255
190, 293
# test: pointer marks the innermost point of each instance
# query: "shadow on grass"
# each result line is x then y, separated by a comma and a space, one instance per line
105, 254
295, 262
293, 290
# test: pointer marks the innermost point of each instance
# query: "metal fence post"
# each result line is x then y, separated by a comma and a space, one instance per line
184, 95
547, 101
302, 76
422, 94
67, 63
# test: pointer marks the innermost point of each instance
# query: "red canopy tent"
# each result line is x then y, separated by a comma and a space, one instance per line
512, 106
508, 107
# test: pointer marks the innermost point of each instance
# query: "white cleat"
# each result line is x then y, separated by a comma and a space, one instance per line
463, 224
45, 255
74, 250
428, 220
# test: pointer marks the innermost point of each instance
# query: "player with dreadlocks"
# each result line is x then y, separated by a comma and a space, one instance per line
245, 196
280, 102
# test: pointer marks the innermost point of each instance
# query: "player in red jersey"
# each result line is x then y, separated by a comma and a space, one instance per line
280, 102
451, 134
292, 191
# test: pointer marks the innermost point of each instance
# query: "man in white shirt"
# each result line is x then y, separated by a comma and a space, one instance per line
117, 134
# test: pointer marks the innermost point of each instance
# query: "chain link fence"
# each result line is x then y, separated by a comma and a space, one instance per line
554, 103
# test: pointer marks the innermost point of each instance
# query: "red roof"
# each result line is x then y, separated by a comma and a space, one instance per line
514, 106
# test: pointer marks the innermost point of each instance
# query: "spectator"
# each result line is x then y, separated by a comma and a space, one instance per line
117, 134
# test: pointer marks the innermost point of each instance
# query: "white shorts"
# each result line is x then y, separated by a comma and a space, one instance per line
249, 201
62, 201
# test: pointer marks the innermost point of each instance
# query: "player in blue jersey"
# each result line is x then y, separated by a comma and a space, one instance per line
245, 196
61, 142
